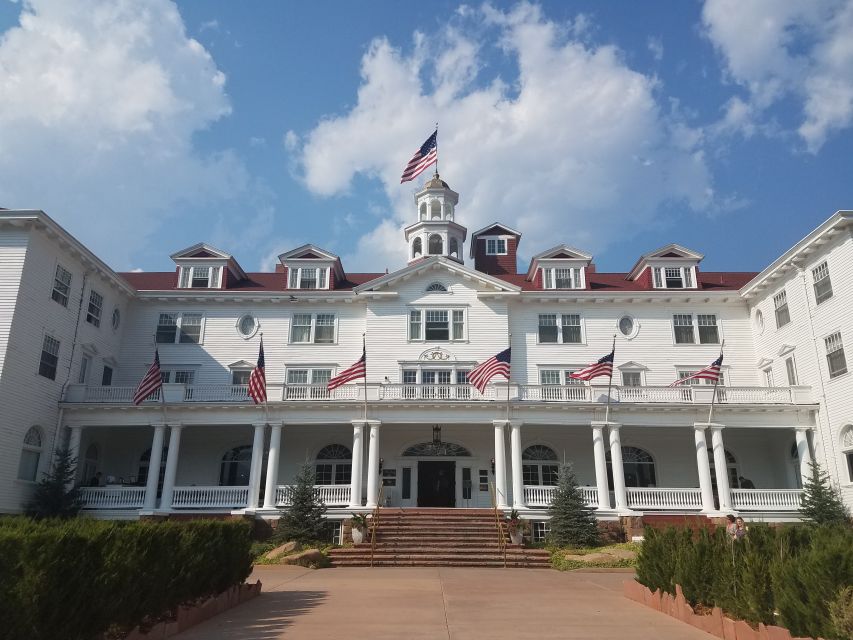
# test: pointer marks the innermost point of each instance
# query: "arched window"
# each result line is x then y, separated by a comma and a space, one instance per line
435, 210
846, 449
436, 286
30, 455
436, 245
417, 248
639, 468
333, 465
144, 463
236, 466
90, 463
454, 248
423, 210
539, 465
731, 468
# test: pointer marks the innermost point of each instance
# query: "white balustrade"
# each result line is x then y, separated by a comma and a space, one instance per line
112, 497
210, 497
320, 392
542, 496
332, 495
435, 392
683, 393
216, 393
755, 395
767, 499
663, 498
115, 394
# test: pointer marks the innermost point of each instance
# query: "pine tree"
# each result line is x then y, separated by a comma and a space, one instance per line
303, 520
821, 503
56, 495
573, 523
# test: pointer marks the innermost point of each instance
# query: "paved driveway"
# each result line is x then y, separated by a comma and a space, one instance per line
449, 603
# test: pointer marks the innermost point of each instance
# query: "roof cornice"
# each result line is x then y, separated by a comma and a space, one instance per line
436, 262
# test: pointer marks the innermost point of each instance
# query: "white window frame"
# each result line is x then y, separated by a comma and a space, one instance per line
632, 371
684, 371
85, 367
179, 319
38, 450
697, 334
820, 274
768, 376
781, 297
791, 374
496, 246
831, 338
95, 309
44, 349
312, 334
112, 369
421, 323
60, 283
560, 325
576, 277
178, 374
294, 277
687, 274
187, 275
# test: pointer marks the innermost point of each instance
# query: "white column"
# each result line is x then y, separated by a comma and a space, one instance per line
703, 467
74, 437
500, 464
373, 465
272, 467
517, 476
154, 468
598, 451
357, 464
617, 466
804, 453
721, 469
171, 466
255, 465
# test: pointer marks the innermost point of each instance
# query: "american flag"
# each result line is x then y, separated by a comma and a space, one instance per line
480, 375
258, 379
356, 371
424, 157
711, 372
604, 367
151, 382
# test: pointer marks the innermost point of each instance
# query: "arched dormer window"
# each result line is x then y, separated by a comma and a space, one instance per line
639, 468
417, 248
436, 245
333, 465
436, 286
454, 248
435, 210
28, 466
539, 465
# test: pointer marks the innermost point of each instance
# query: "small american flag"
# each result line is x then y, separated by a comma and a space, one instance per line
151, 382
258, 379
480, 375
604, 367
356, 371
711, 372
424, 157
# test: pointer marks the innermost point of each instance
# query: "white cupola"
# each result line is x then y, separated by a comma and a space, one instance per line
435, 233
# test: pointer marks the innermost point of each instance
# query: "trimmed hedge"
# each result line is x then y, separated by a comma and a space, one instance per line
76, 579
787, 576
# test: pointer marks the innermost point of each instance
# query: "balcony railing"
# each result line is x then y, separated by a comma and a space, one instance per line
652, 498
335, 495
210, 497
230, 393
541, 496
767, 499
112, 497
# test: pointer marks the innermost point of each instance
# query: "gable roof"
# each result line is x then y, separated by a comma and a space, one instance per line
500, 227
561, 251
436, 262
671, 250
308, 251
201, 250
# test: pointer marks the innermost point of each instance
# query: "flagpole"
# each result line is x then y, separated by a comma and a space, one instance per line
716, 382
509, 377
364, 355
610, 382
266, 395
162, 391
436, 149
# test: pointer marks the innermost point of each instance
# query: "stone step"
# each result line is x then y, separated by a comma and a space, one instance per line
428, 562
413, 549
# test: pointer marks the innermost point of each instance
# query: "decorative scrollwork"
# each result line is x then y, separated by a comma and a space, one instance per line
437, 450
437, 355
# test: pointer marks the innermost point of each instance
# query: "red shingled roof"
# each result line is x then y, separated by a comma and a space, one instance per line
604, 282
168, 280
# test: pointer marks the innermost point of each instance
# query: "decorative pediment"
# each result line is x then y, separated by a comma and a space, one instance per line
497, 229
201, 250
785, 349
763, 363
560, 256
670, 255
674, 251
308, 252
436, 265
242, 364
437, 354
632, 366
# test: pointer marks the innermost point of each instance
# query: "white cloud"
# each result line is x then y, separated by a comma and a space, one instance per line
777, 48
100, 103
576, 148
655, 46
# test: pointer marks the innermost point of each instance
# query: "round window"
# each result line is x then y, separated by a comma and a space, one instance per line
628, 326
116, 318
247, 325
759, 321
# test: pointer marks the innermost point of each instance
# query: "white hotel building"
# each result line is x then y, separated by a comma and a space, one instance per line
76, 337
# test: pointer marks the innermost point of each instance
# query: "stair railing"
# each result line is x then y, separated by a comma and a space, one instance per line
374, 523
498, 523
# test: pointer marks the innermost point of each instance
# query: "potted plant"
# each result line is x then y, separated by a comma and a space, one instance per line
359, 526
515, 525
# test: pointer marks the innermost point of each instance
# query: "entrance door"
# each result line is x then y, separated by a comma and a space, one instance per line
436, 484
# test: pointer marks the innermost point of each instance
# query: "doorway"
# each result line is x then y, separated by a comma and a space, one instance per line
436, 484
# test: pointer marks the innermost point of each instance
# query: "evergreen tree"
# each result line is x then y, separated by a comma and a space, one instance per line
572, 521
56, 495
821, 502
303, 520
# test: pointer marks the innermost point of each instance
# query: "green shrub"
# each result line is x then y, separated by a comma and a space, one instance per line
75, 579
304, 519
656, 560
573, 522
697, 565
841, 614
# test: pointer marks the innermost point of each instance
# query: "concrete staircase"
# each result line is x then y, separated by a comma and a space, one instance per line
438, 538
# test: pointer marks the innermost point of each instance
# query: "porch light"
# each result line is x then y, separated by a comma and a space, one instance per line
381, 464
436, 434
493, 466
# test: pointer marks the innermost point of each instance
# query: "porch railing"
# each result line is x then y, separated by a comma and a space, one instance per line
112, 497
434, 392
767, 499
332, 495
210, 497
542, 496
320, 392
216, 393
662, 498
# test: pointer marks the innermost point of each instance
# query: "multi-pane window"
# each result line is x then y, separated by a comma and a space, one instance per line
240, 376
305, 384
28, 466
686, 373
85, 367
562, 278
308, 277
458, 324
708, 331
495, 246
783, 315
835, 359
200, 277
768, 377
414, 325
49, 357
107, 376
682, 324
190, 328
177, 376
96, 305
791, 369
185, 328
539, 465
684, 328
632, 379
317, 328
822, 284
61, 285
436, 325
167, 328
562, 328
672, 277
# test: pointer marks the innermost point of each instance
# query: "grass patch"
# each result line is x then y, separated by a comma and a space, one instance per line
265, 547
560, 562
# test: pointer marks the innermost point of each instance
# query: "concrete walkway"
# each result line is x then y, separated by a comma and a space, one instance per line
448, 603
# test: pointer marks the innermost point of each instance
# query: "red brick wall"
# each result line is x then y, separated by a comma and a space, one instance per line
495, 265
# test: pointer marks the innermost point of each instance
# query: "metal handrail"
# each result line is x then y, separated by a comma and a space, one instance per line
498, 523
374, 523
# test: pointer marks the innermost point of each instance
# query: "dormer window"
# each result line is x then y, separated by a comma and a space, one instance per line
495, 246
200, 277
308, 278
562, 278
673, 277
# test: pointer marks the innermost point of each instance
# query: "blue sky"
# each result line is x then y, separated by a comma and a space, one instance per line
144, 127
